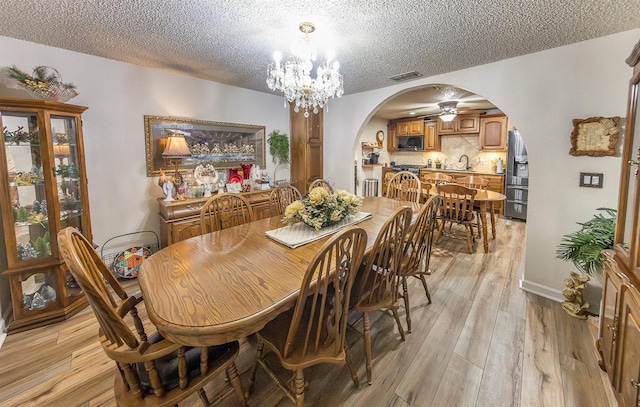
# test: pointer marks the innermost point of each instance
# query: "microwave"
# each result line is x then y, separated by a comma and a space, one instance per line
411, 143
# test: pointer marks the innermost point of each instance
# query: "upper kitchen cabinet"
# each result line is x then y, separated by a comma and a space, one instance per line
431, 138
411, 128
493, 133
461, 124
392, 137
43, 189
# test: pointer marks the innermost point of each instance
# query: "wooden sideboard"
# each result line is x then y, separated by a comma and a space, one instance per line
180, 220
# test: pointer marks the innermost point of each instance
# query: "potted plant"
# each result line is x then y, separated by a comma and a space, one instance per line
584, 248
279, 149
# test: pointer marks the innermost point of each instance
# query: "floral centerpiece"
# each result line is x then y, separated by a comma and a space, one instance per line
321, 208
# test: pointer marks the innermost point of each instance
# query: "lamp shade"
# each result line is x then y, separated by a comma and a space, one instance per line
61, 150
176, 146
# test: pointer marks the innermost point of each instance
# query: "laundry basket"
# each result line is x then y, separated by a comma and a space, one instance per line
132, 250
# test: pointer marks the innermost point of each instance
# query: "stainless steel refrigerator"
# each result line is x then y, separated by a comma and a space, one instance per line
517, 180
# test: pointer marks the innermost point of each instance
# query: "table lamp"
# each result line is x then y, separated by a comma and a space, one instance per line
176, 149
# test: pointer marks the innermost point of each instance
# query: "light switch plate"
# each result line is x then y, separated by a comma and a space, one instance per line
591, 179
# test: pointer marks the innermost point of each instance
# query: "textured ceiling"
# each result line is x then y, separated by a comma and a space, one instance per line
232, 41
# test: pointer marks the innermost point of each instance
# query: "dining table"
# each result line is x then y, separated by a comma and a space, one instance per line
226, 285
484, 201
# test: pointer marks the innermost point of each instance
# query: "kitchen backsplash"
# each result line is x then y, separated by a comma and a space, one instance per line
452, 148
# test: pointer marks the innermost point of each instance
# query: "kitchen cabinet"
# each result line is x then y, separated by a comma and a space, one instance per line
493, 133
410, 128
619, 330
180, 220
461, 124
431, 138
306, 148
43, 189
392, 137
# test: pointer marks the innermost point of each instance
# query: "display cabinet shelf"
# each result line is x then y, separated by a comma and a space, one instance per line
42, 190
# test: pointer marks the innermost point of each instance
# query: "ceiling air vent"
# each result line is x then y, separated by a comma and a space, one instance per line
405, 76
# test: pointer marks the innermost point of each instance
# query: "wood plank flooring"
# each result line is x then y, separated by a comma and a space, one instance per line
482, 342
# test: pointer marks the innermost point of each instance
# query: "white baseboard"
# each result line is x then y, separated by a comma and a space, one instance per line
542, 290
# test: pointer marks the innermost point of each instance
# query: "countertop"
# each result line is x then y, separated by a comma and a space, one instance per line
450, 171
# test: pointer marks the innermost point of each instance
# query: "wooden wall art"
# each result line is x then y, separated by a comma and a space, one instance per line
224, 145
595, 136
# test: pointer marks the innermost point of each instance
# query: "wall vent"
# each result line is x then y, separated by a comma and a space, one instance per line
405, 76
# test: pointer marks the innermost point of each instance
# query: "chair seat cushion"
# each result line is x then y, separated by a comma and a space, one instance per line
167, 366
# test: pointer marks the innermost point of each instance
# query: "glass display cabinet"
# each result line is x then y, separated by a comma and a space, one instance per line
619, 329
43, 189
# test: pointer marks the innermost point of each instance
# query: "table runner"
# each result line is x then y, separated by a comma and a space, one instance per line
299, 234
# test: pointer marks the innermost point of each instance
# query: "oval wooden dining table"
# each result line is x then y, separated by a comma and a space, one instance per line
485, 202
226, 285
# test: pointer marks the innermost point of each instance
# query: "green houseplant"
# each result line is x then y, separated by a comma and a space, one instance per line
583, 247
279, 149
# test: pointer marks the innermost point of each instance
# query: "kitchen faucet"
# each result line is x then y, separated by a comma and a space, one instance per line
467, 167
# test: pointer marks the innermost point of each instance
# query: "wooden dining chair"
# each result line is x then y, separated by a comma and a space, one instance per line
435, 178
152, 371
377, 283
475, 182
281, 197
314, 330
404, 186
457, 208
321, 183
223, 211
416, 253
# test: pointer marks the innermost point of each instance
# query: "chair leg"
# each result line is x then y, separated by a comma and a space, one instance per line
470, 238
407, 309
394, 309
367, 343
232, 374
254, 370
426, 290
299, 388
354, 372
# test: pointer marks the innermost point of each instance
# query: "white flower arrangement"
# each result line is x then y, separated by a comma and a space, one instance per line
321, 208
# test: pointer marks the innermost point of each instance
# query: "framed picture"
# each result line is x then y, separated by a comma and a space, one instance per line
223, 145
595, 136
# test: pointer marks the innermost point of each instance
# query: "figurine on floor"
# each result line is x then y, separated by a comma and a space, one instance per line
574, 304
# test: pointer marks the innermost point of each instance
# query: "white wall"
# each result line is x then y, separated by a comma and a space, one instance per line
122, 198
541, 93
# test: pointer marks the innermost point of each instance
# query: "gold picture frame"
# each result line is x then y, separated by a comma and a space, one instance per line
594, 136
223, 145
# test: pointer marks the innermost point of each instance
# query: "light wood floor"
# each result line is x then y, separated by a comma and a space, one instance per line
482, 342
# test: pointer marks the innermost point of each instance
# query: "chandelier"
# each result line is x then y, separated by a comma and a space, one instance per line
295, 81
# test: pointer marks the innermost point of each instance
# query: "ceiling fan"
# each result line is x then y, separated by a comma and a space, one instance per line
449, 110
